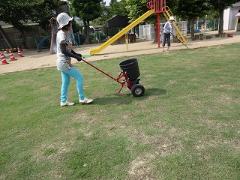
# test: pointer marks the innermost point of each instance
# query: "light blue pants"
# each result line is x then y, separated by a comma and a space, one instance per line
75, 73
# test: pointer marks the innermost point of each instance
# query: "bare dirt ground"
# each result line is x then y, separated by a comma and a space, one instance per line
35, 60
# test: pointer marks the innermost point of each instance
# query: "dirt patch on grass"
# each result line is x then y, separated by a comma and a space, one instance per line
2, 176
171, 83
235, 144
164, 144
140, 137
56, 174
221, 86
51, 152
206, 143
227, 100
45, 88
3, 98
83, 117
142, 168
21, 82
227, 86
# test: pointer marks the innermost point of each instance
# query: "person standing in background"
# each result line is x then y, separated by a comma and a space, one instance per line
167, 31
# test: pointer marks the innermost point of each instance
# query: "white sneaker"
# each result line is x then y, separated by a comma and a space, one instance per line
66, 104
86, 101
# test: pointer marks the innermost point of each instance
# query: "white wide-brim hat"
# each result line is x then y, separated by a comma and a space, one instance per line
63, 19
238, 14
171, 18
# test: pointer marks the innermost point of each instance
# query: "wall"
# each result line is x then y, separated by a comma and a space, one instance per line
226, 18
230, 18
31, 37
147, 32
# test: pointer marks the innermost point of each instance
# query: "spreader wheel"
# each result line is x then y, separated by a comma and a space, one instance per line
137, 90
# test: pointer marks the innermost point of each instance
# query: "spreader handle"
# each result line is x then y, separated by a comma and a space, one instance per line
99, 70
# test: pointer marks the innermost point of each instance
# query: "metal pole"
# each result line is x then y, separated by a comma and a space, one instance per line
100, 71
158, 29
126, 40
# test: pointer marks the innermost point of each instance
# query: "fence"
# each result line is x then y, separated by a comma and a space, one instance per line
147, 32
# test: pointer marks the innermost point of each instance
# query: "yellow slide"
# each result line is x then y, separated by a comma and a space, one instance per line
122, 32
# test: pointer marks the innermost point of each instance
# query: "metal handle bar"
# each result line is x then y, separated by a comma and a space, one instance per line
100, 70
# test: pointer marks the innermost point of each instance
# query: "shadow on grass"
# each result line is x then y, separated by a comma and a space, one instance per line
155, 92
152, 92
128, 98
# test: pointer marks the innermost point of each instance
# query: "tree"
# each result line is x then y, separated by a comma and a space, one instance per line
19, 12
115, 8
105, 15
45, 11
16, 12
118, 8
136, 8
219, 6
87, 10
191, 10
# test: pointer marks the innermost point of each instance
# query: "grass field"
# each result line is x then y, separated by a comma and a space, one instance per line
187, 126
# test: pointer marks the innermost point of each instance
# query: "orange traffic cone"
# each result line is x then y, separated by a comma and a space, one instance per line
2, 55
20, 52
11, 56
3, 59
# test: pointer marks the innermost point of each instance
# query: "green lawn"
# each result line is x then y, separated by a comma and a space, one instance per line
187, 126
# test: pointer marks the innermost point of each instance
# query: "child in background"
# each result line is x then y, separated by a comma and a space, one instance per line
64, 54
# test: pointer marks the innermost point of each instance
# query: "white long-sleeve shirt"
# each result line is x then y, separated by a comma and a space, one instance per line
167, 28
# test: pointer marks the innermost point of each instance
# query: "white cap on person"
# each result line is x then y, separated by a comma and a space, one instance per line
63, 19
171, 18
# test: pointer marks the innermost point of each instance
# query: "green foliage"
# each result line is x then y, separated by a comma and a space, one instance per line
18, 12
115, 8
221, 4
118, 8
172, 4
105, 15
75, 27
87, 10
191, 9
136, 8
219, 7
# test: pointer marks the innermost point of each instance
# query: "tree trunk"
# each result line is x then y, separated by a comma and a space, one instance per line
220, 29
192, 29
54, 30
86, 31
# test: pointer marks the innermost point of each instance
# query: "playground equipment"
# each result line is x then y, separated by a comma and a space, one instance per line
129, 77
157, 7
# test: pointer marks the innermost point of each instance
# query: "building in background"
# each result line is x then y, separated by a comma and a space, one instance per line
230, 18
